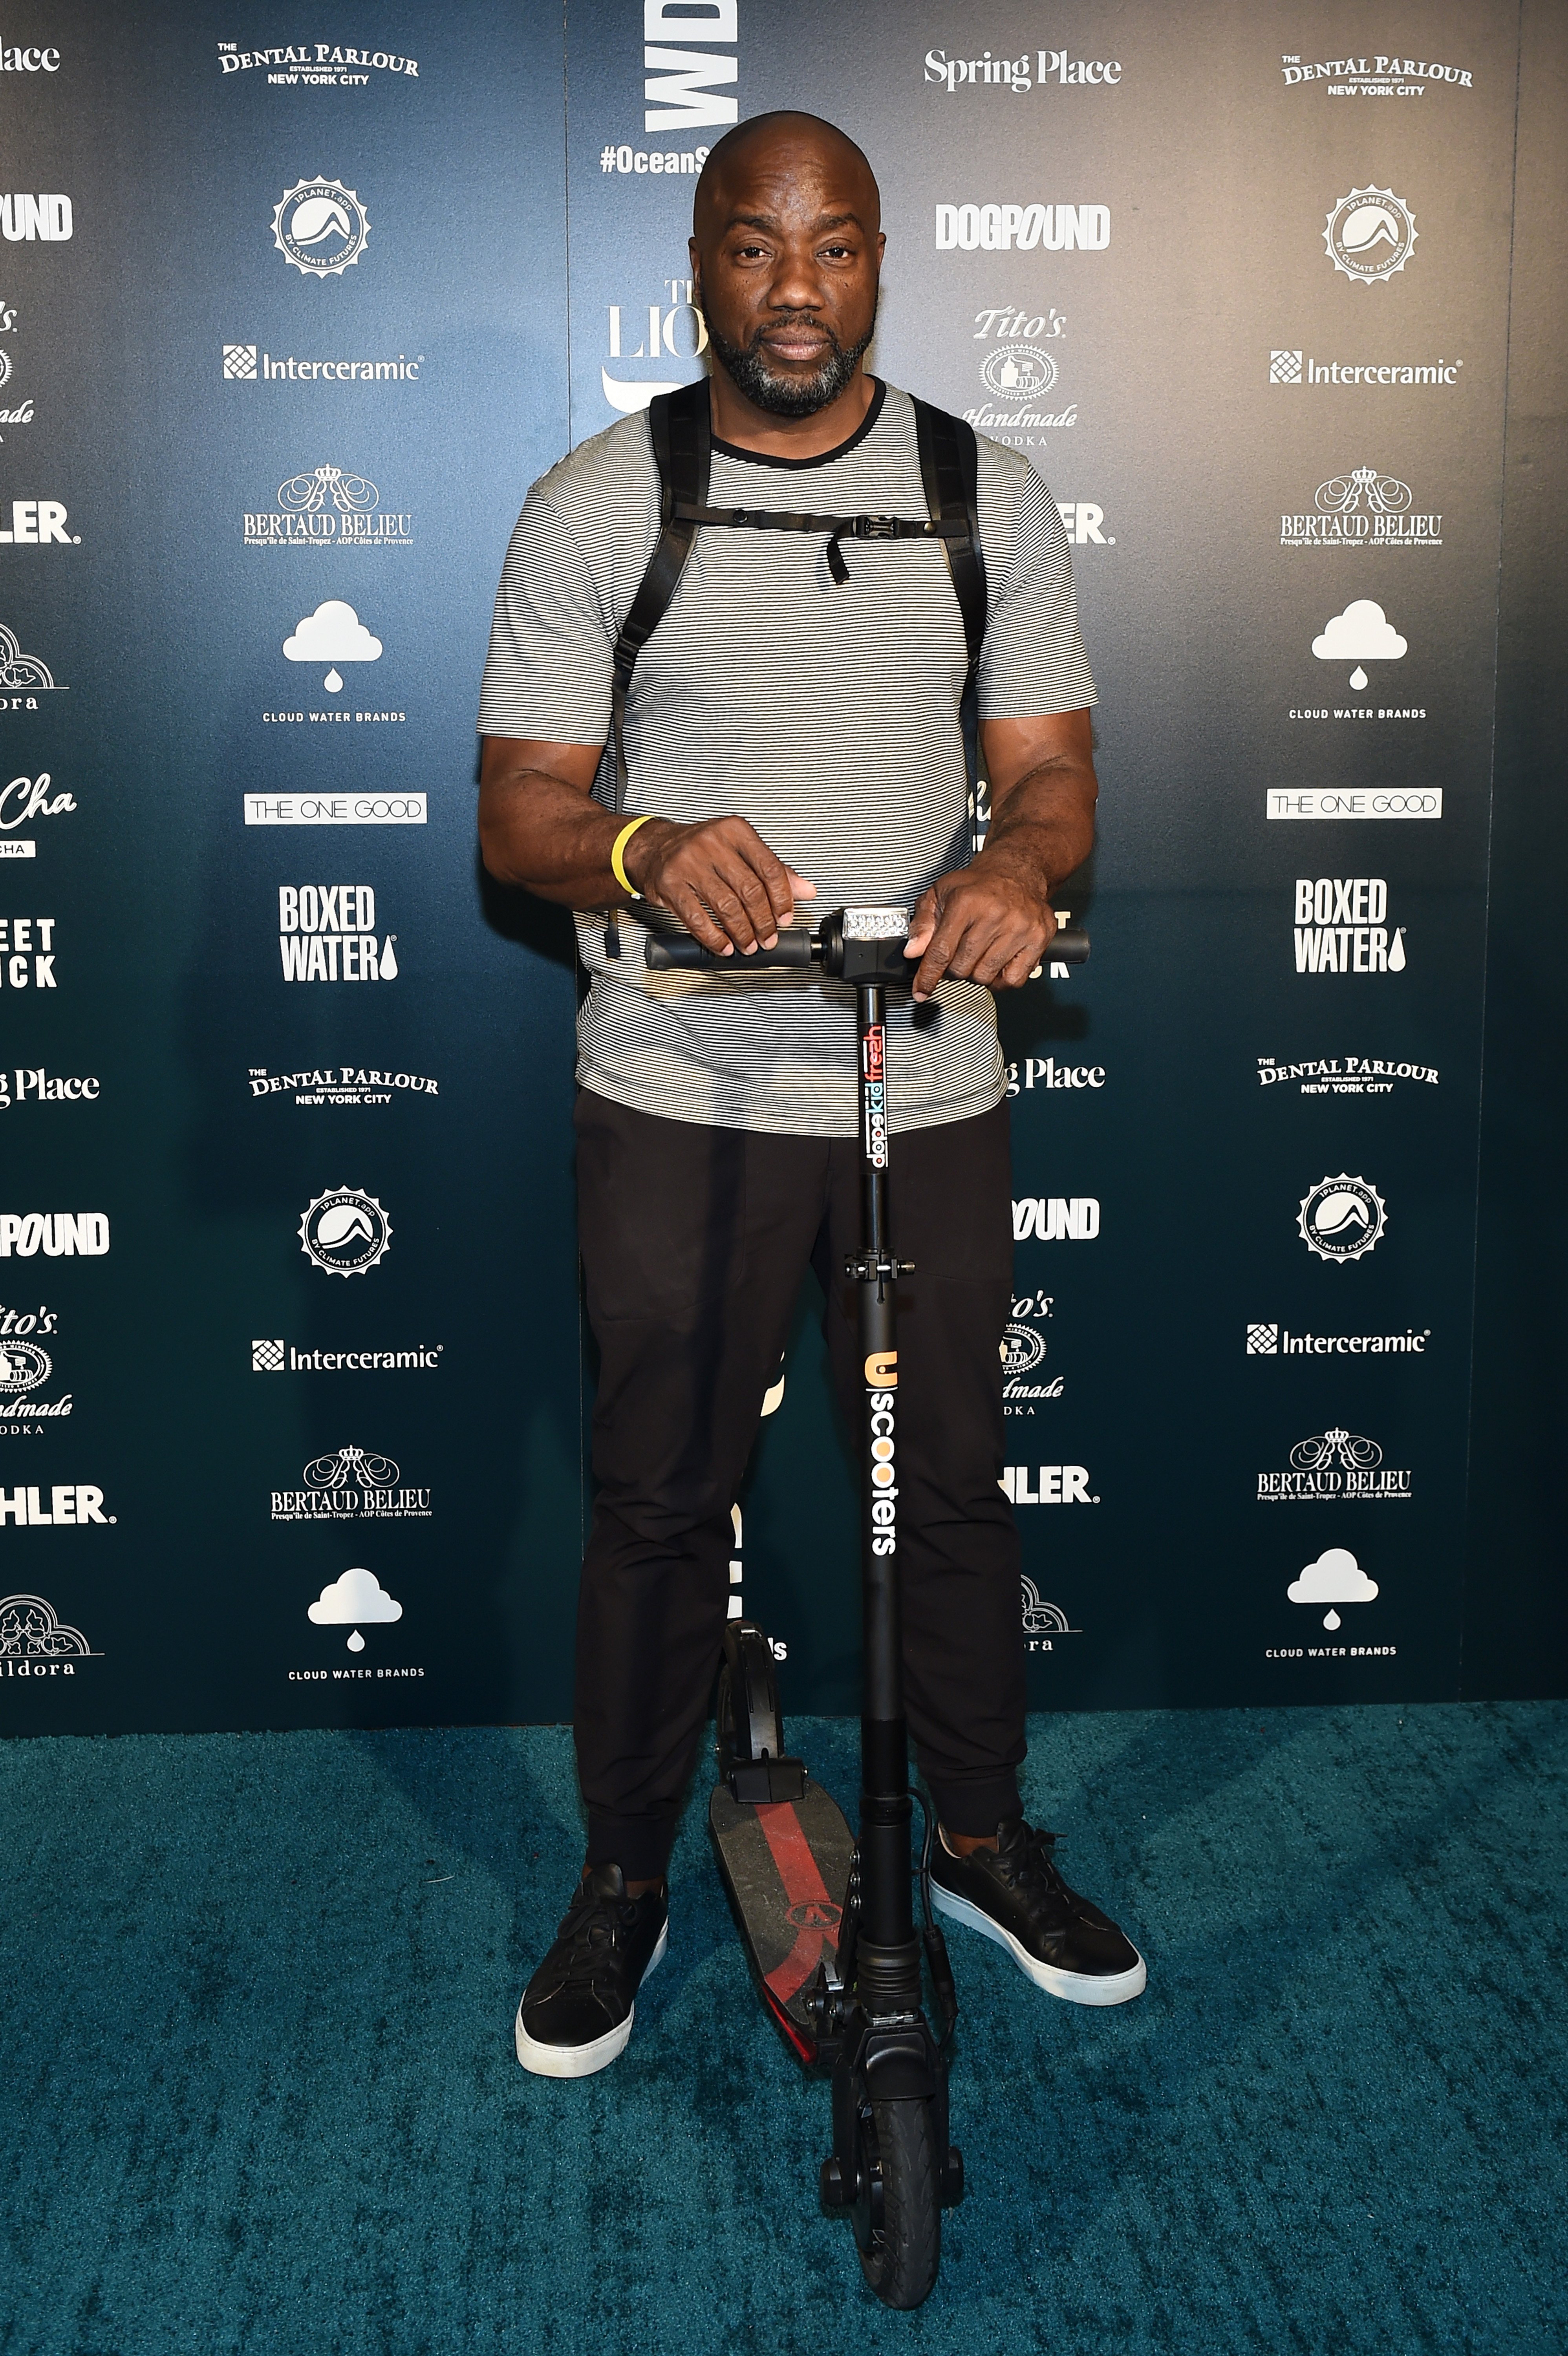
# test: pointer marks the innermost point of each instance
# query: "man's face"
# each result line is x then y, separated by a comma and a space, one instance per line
785, 260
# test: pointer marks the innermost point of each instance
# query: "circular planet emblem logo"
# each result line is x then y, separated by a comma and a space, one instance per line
1342, 1218
321, 227
345, 1231
1369, 235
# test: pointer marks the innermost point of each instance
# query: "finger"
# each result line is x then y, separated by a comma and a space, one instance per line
1017, 971
939, 954
923, 923
799, 885
729, 909
684, 900
989, 958
759, 876
747, 888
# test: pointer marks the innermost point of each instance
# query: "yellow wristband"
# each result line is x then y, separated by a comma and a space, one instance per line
622, 839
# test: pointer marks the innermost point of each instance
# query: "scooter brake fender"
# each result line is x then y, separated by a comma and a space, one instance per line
896, 2064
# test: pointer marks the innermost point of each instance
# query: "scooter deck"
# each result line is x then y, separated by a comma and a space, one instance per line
786, 1864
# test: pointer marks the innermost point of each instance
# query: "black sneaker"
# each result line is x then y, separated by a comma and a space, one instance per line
577, 2009
1015, 1895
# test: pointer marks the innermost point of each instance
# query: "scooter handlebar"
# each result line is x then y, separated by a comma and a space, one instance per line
664, 952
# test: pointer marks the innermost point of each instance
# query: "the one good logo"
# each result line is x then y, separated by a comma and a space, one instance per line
72, 1505
1055, 1218
1018, 371
1369, 235
327, 508
1351, 801
1019, 228
1343, 1075
321, 227
1279, 1341
248, 364
22, 677
1342, 1218
327, 932
1335, 1578
352, 1485
23, 1366
684, 89
1335, 1466
883, 1478
1362, 508
1059, 1484
357, 1599
334, 634
1299, 367
1361, 634
59, 1234
335, 809
1340, 929
46, 219
344, 1231
34, 1642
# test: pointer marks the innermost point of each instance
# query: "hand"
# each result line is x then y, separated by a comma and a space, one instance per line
719, 878
988, 923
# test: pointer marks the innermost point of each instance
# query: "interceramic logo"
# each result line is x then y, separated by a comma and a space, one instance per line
1369, 235
321, 227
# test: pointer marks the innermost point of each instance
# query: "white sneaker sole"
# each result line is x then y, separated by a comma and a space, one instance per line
582, 2061
1075, 1987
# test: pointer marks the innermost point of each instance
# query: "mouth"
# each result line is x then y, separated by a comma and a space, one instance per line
797, 344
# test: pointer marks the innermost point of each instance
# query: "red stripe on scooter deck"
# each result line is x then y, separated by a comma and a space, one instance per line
786, 1866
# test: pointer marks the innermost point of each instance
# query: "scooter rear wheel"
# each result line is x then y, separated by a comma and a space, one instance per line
900, 2255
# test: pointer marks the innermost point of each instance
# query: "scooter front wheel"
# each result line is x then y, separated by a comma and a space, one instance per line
898, 2219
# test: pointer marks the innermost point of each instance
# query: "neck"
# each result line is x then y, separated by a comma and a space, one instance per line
739, 421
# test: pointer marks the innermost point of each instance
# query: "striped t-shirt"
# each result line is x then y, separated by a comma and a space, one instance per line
826, 713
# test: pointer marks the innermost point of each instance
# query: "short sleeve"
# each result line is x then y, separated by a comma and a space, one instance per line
1032, 660
547, 675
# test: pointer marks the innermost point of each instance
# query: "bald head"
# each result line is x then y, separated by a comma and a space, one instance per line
786, 250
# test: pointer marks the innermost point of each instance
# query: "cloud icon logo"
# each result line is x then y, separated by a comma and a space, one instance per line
1335, 1578
357, 1596
334, 634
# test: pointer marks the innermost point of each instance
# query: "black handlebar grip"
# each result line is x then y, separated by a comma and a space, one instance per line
1069, 946
662, 950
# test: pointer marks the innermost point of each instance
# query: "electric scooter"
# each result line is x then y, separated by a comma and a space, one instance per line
827, 1921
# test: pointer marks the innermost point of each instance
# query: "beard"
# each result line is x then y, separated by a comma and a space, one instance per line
748, 368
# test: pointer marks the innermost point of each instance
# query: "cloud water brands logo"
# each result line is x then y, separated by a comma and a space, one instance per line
356, 1599
22, 677
1342, 1076
34, 1642
249, 364
655, 333
1340, 929
1341, 1218
1041, 69
23, 801
317, 65
1022, 368
1360, 509
1043, 1622
328, 507
1335, 1467
1057, 1485
275, 1355
1361, 634
352, 1485
345, 1231
1055, 1218
327, 932
36, 1086
1272, 1341
19, 412
320, 227
1373, 77
339, 1084
38, 523
687, 86
1300, 367
45, 220
1335, 1578
73, 1505
28, 953
26, 1368
1022, 227
1369, 235
334, 634
59, 1234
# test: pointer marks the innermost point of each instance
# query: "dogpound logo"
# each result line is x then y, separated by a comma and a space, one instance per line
321, 227
34, 1642
1056, 1218
345, 1231
46, 219
59, 1235
1369, 235
1342, 1218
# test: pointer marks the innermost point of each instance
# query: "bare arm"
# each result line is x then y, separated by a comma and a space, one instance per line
540, 827
991, 922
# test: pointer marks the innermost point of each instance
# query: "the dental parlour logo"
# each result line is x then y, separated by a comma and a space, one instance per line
356, 1600
352, 1485
321, 227
339, 1084
1335, 1467
1342, 1076
345, 1231
1369, 235
1363, 508
318, 65
1373, 77
1043, 1622
34, 1642
1341, 1218
328, 507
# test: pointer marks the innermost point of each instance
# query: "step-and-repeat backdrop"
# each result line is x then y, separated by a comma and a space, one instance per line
294, 306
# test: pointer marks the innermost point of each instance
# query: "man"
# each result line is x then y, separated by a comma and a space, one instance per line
790, 736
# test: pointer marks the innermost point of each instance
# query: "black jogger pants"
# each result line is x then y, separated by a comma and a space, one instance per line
694, 1244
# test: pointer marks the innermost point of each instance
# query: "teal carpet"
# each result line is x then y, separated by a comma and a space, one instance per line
261, 2093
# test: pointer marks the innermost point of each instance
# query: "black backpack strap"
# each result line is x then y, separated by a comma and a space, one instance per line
681, 425
949, 470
